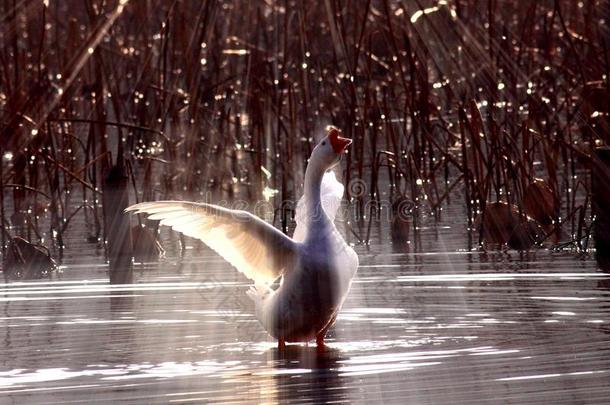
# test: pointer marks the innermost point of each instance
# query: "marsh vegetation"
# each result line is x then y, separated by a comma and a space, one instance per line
497, 106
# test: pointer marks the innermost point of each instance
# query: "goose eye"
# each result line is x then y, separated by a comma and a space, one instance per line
323, 143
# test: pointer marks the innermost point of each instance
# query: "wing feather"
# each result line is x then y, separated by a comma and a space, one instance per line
255, 248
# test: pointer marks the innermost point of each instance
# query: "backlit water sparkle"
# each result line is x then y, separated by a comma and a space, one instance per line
436, 327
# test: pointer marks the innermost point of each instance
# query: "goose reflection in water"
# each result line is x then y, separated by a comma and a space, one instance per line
317, 374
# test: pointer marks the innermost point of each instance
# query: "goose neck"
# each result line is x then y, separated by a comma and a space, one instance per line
313, 188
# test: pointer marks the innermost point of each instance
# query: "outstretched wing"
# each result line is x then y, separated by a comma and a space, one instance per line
255, 248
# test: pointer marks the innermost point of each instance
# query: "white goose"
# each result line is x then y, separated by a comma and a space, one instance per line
316, 266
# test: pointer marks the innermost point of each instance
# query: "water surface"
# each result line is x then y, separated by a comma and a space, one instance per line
434, 325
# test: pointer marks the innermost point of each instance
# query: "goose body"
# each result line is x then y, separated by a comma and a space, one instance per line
315, 267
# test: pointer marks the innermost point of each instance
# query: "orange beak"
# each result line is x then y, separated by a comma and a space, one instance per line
338, 142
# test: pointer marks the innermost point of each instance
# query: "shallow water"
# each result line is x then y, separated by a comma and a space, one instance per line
439, 324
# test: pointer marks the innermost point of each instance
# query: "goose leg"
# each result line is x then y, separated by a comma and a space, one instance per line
322, 334
281, 344
320, 341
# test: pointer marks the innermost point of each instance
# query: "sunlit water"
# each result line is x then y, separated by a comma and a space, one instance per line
438, 324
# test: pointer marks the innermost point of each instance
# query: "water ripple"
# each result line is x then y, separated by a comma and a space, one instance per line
429, 328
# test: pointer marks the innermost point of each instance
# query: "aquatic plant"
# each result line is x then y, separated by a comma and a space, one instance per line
445, 101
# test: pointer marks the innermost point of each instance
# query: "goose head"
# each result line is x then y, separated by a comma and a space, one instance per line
328, 151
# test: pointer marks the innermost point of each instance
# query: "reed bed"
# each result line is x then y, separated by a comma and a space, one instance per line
223, 100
